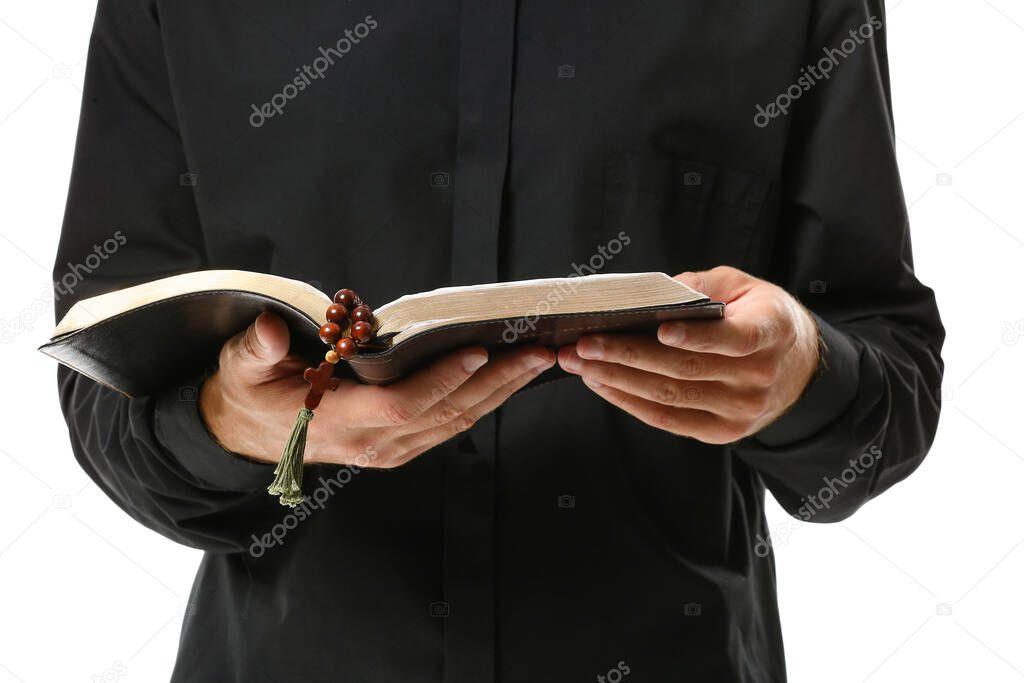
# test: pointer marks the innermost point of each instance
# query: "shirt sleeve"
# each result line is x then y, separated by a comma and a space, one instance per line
869, 417
130, 218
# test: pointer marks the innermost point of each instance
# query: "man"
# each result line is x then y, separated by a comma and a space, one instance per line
601, 529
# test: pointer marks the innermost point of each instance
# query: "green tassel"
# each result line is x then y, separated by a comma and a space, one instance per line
288, 475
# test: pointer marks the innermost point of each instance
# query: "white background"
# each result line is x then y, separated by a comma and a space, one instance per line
923, 584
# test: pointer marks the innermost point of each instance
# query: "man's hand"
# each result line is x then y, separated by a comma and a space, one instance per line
716, 381
249, 404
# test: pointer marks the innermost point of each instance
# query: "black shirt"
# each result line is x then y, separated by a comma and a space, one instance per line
400, 146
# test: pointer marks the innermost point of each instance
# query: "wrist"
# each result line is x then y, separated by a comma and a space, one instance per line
231, 426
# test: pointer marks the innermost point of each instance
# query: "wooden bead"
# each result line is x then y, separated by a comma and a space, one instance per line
347, 298
336, 313
346, 347
362, 314
332, 357
362, 332
329, 332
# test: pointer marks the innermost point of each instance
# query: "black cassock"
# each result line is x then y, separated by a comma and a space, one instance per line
399, 146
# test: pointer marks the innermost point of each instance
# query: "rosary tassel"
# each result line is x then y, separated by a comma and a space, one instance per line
288, 475
350, 310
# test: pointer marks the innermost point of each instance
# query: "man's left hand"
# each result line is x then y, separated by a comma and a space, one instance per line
714, 380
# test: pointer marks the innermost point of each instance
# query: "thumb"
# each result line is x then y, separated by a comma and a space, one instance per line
722, 283
251, 354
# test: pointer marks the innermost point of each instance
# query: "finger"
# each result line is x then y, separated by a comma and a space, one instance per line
647, 353
734, 335
250, 356
722, 283
400, 403
501, 371
714, 397
414, 444
698, 424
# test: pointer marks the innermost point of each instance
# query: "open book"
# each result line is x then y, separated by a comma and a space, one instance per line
153, 336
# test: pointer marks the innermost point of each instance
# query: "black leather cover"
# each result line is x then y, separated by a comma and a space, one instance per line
168, 343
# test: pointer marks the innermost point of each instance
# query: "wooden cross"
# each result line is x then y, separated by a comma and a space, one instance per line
320, 380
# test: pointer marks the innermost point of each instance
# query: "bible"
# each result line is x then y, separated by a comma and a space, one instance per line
143, 339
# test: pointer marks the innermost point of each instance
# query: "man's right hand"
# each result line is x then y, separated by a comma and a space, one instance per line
249, 404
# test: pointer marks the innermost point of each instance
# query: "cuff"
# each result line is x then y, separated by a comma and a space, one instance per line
180, 429
826, 398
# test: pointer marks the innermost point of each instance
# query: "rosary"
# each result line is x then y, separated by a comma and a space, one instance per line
349, 311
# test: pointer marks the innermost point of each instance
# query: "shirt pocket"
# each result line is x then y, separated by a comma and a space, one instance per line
681, 214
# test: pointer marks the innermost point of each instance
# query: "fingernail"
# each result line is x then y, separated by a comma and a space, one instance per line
590, 347
592, 383
474, 361
672, 334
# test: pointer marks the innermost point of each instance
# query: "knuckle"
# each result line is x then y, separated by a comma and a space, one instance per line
396, 412
666, 393
627, 354
460, 424
446, 412
664, 418
689, 367
446, 384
